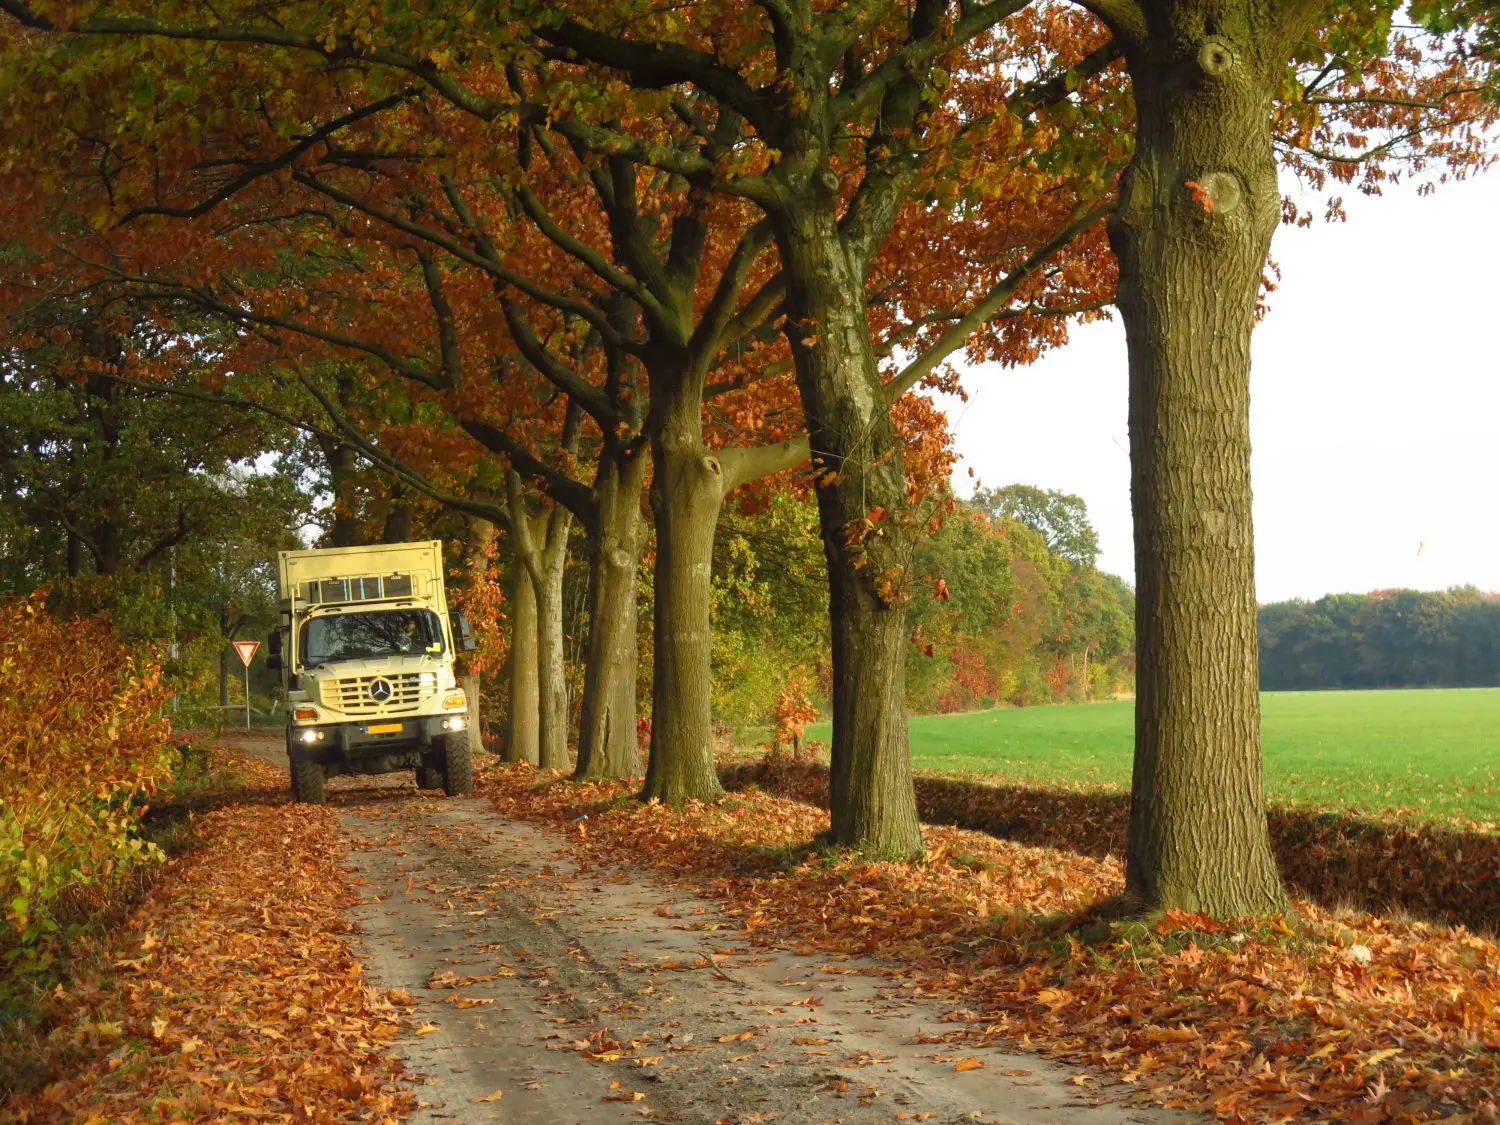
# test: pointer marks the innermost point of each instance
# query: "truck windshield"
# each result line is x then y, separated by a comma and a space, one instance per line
356, 636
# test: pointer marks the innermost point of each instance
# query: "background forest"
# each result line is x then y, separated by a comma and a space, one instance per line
169, 517
168, 513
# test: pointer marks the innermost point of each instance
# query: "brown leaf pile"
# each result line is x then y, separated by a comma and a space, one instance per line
1351, 1018
231, 994
1446, 873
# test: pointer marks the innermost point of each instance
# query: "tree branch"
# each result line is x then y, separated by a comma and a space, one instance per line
399, 469
565, 379
707, 339
335, 50
1125, 18
658, 66
919, 51
258, 169
991, 303
742, 464
489, 263
583, 252
577, 497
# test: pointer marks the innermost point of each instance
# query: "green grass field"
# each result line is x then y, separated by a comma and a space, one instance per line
1433, 754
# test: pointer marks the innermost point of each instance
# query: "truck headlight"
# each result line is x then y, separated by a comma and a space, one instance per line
457, 722
312, 736
455, 700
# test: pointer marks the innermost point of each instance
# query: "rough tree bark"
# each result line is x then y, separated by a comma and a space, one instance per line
606, 729
77, 555
689, 483
872, 801
341, 462
523, 720
687, 491
399, 515
542, 545
481, 534
1198, 207
552, 668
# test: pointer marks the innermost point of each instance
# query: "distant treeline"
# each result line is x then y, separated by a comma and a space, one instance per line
1389, 638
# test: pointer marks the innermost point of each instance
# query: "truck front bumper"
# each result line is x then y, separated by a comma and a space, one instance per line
334, 742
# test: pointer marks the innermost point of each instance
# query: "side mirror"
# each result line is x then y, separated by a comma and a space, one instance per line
273, 643
463, 632
273, 662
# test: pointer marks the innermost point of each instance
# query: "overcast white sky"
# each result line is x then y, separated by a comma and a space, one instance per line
1375, 405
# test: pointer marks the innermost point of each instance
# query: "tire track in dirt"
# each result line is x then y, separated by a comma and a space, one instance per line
605, 995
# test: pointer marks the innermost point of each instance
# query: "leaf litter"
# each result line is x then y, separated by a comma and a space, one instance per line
1332, 1016
233, 994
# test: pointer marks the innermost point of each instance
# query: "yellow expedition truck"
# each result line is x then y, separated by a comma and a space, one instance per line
365, 648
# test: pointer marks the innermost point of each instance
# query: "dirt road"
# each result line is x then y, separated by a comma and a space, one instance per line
546, 994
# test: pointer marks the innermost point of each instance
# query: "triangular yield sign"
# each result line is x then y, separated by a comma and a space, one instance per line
246, 649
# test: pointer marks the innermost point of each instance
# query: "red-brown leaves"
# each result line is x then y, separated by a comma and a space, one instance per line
232, 994
1356, 1015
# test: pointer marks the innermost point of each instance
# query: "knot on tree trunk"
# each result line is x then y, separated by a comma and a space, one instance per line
1215, 193
1215, 56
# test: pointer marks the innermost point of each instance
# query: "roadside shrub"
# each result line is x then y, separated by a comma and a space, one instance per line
793, 711
83, 739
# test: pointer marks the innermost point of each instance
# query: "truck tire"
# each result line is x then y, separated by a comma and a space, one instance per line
429, 777
458, 765
307, 782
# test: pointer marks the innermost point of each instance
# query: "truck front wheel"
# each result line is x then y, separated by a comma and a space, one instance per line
308, 779
458, 765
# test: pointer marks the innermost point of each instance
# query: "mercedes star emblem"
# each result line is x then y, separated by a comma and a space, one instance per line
380, 690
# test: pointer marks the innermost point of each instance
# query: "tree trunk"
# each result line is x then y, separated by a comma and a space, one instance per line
523, 722
76, 555
477, 566
345, 530
398, 517
552, 669
224, 678
1198, 207
858, 459
687, 492
606, 728
110, 537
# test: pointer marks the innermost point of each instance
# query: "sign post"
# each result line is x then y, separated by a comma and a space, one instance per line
246, 649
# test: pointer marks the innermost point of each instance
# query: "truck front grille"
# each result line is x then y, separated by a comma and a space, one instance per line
361, 695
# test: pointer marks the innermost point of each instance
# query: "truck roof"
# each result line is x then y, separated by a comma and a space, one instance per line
350, 575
